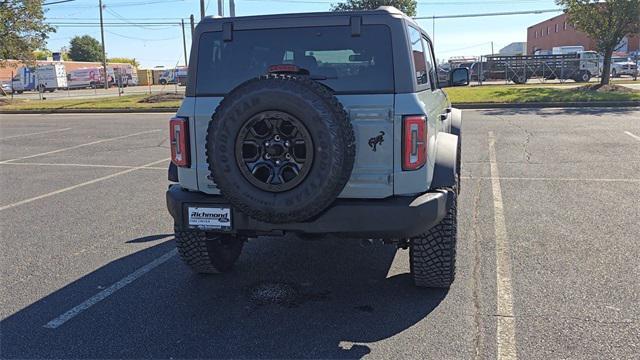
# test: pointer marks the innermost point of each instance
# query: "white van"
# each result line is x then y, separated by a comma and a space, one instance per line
172, 76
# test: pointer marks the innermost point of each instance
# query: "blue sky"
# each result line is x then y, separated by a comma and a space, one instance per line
162, 45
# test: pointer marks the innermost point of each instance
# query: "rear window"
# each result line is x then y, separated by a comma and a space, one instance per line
345, 63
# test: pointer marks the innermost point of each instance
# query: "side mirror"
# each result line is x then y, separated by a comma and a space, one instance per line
459, 77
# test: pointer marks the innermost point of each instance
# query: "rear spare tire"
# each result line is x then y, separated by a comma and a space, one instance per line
280, 148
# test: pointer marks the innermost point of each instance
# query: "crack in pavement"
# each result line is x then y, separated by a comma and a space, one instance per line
549, 317
526, 154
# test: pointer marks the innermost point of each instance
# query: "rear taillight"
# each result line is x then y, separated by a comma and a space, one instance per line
179, 137
414, 142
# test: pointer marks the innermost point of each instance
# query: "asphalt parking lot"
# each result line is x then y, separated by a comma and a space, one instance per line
547, 255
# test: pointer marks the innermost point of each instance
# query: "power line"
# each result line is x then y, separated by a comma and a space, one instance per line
114, 13
126, 4
464, 48
96, 19
466, 3
486, 14
137, 38
57, 2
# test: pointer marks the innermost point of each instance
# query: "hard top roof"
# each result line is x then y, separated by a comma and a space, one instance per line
382, 10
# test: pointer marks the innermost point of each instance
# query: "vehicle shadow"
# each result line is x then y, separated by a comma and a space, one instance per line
287, 298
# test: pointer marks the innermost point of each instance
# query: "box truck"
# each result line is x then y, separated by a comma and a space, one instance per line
89, 77
41, 78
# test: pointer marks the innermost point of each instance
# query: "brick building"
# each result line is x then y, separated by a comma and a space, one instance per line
557, 31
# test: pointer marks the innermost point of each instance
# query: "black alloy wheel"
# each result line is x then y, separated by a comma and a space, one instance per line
274, 151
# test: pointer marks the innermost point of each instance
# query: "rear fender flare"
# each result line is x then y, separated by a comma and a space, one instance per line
446, 161
456, 122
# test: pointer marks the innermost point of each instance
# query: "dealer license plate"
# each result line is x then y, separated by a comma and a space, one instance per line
210, 218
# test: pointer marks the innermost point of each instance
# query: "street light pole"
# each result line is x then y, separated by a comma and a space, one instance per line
202, 9
104, 54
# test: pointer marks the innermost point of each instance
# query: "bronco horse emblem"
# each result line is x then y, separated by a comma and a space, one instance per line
375, 141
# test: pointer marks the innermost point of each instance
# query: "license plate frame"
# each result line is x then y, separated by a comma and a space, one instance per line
210, 217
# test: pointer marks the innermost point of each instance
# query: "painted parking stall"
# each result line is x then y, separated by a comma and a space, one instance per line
541, 273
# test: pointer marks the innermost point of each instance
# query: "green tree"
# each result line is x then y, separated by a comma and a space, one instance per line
406, 6
85, 48
124, 60
22, 29
41, 54
607, 23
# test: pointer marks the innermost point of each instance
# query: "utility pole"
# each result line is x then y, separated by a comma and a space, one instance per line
104, 54
492, 48
220, 7
193, 25
232, 8
202, 9
433, 30
184, 44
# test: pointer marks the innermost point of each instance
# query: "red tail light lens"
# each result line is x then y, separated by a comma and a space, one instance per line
179, 137
414, 142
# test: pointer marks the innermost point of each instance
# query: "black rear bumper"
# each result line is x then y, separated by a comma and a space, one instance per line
394, 217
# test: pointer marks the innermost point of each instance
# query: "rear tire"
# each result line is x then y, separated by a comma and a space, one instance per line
432, 255
205, 253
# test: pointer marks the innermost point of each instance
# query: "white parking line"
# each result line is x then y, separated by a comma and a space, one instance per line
81, 145
57, 322
552, 179
35, 133
26, 201
506, 332
633, 135
86, 165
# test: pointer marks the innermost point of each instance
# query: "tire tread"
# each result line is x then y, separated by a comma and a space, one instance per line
433, 254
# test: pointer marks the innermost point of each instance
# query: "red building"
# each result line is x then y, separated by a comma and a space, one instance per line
557, 31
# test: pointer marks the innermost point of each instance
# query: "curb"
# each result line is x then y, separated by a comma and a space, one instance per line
469, 106
542, 105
